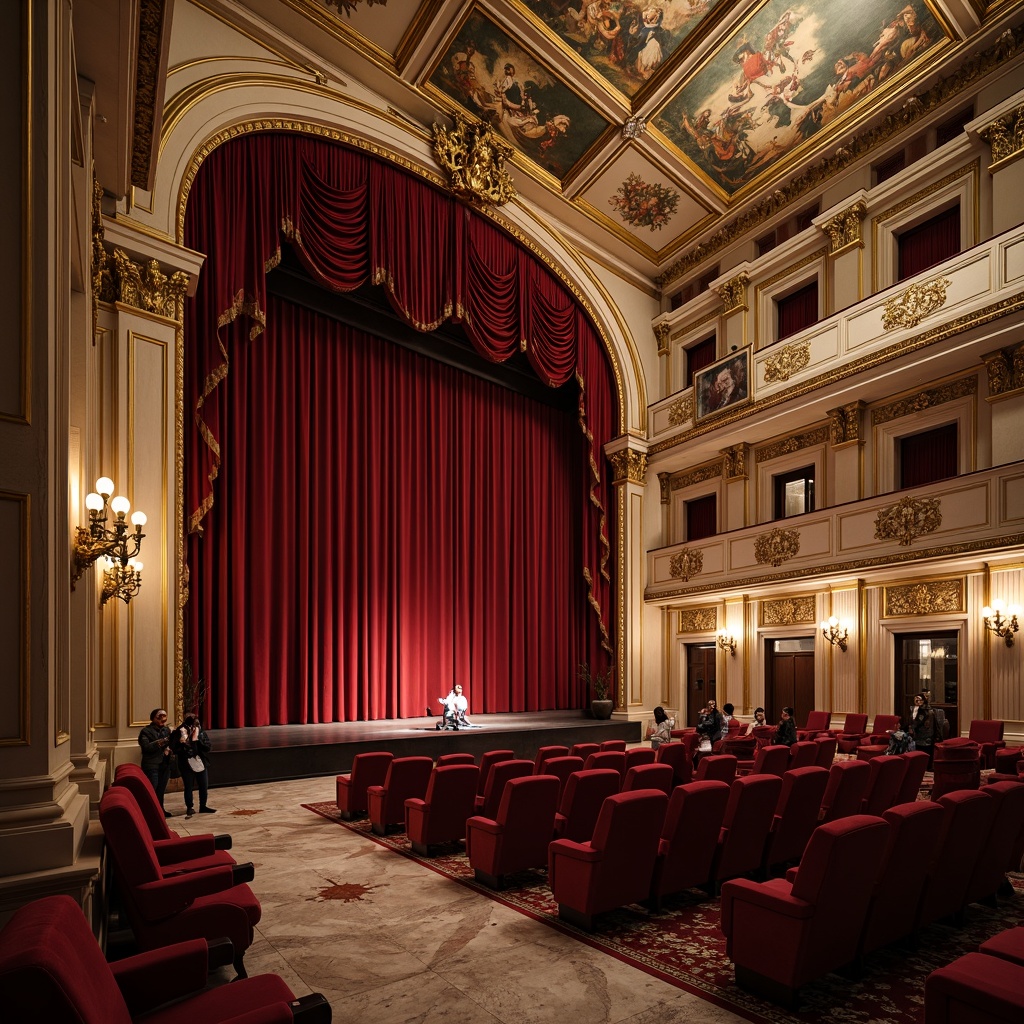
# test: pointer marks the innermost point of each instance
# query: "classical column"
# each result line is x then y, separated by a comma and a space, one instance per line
733, 294
846, 436
1003, 130
1006, 399
845, 252
735, 474
662, 331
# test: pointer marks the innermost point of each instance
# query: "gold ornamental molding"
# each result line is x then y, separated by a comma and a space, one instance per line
844, 424
686, 564
777, 547
792, 359
907, 519
628, 466
680, 411
665, 486
844, 229
910, 307
854, 147
152, 15
734, 461
788, 611
698, 620
145, 286
474, 160
663, 332
796, 443
1005, 137
950, 392
734, 294
701, 474
1005, 370
925, 598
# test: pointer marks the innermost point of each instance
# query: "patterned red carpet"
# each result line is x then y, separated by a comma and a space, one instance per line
683, 945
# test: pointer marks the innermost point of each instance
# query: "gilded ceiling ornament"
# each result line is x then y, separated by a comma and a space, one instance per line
792, 359
152, 14
925, 598
634, 127
788, 611
698, 620
712, 471
925, 400
1005, 370
348, 6
777, 547
843, 229
734, 293
907, 519
844, 423
475, 161
662, 332
629, 466
910, 307
1005, 136
686, 564
664, 484
734, 464
146, 286
795, 443
681, 411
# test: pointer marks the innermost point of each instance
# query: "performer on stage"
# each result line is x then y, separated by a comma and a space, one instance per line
455, 708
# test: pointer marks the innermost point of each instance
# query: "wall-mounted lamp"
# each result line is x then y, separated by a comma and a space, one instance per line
727, 642
121, 581
1002, 625
96, 541
835, 632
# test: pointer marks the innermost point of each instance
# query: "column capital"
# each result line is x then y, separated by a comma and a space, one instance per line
844, 424
844, 228
733, 293
662, 332
1005, 136
629, 466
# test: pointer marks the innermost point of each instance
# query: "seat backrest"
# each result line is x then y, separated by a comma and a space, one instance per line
501, 774
627, 831
640, 755
916, 765
488, 759
802, 754
771, 760
883, 724
449, 800
613, 744
716, 766
528, 805
885, 774
826, 754
649, 776
407, 777
446, 759
674, 754
748, 819
369, 769
689, 836
847, 782
855, 723
985, 730
562, 768
990, 870
136, 783
584, 750
581, 801
543, 753
796, 813
51, 968
817, 721
614, 759
128, 838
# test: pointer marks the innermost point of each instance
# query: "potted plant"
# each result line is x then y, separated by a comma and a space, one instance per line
598, 685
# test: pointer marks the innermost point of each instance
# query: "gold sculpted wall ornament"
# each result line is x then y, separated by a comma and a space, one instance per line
712, 471
907, 519
698, 620
925, 598
792, 359
1005, 136
146, 286
777, 547
843, 229
910, 307
795, 443
1005, 370
662, 332
680, 411
961, 388
734, 461
475, 161
664, 485
844, 423
734, 293
788, 611
686, 564
628, 466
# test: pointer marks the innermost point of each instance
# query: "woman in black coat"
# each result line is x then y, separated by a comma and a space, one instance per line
785, 731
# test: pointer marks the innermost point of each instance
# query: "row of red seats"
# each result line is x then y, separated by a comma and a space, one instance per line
984, 986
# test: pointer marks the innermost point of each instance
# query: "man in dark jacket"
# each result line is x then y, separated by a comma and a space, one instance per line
155, 740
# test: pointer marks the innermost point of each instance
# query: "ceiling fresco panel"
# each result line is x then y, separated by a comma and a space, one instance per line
788, 73
493, 78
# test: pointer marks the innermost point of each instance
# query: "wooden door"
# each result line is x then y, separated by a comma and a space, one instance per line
700, 680
928, 661
789, 678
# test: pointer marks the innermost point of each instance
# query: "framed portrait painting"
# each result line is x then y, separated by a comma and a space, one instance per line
723, 385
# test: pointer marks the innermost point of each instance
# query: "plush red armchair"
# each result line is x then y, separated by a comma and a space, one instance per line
913, 834
885, 774
976, 989
166, 908
519, 836
770, 760
615, 867
488, 759
989, 877
1007, 945
52, 970
781, 935
562, 768
748, 819
847, 783
613, 745
543, 753
988, 734
368, 769
764, 735
614, 759
956, 764
689, 838
720, 767
741, 747
648, 776
501, 773
674, 754
827, 746
446, 759
966, 822
796, 815
584, 750
1008, 760
853, 733
439, 816
406, 777
817, 723
917, 764
640, 755
803, 754
584, 794
732, 732
880, 729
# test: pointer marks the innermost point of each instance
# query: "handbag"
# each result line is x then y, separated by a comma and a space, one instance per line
196, 764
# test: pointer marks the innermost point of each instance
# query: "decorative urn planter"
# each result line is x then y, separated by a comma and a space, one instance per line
602, 708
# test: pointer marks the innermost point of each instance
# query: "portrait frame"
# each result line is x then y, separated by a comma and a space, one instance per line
710, 399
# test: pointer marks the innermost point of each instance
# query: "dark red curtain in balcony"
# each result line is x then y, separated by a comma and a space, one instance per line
438, 529
702, 517
797, 311
929, 456
935, 240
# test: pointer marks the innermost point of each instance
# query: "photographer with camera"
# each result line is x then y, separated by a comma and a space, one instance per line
192, 746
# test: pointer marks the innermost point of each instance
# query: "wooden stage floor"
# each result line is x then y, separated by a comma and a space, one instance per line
269, 753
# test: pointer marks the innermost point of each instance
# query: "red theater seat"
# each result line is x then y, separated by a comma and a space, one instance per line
584, 794
880, 729
976, 989
640, 755
847, 783
439, 816
817, 723
956, 764
796, 815
368, 769
910, 788
488, 759
827, 747
613, 759
562, 768
748, 819
501, 773
648, 776
803, 754
615, 867
613, 745
770, 760
543, 753
406, 777
674, 754
584, 750
446, 759
885, 774
989, 876
716, 767
988, 734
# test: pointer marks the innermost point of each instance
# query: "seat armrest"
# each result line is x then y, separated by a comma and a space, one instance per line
582, 852
222, 842
151, 979
166, 896
760, 895
174, 851
414, 803
311, 1009
482, 824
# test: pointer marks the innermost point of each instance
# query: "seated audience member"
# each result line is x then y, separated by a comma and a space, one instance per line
663, 726
785, 731
756, 723
711, 727
900, 741
728, 710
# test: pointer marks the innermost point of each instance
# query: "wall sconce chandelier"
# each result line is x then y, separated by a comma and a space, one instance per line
123, 581
116, 543
835, 632
726, 641
1002, 625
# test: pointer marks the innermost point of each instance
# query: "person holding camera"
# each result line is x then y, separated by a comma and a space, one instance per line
155, 740
193, 748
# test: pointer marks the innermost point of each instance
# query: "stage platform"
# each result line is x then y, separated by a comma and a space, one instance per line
270, 753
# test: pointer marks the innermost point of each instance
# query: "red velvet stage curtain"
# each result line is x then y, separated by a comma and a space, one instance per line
353, 219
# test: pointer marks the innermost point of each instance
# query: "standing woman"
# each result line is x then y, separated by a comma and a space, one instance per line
193, 747
155, 740
922, 726
785, 731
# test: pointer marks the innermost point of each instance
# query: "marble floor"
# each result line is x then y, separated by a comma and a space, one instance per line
388, 941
